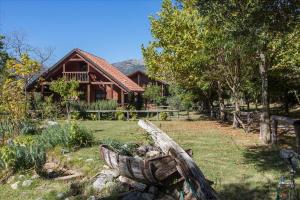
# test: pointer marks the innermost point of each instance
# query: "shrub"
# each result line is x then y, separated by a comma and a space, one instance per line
163, 116
126, 149
119, 115
79, 136
28, 127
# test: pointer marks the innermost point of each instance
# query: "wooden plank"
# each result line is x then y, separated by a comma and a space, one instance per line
186, 166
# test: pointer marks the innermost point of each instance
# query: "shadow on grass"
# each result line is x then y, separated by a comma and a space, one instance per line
264, 158
238, 191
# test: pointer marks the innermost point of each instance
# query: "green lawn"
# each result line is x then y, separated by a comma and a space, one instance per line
240, 167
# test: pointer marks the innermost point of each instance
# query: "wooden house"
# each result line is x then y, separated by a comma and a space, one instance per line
98, 79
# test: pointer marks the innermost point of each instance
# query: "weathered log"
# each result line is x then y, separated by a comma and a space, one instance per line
185, 165
160, 170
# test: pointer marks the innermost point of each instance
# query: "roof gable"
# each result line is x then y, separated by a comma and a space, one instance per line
100, 64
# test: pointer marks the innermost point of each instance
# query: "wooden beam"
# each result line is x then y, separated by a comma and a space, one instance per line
101, 83
112, 91
122, 98
88, 93
185, 164
75, 59
64, 67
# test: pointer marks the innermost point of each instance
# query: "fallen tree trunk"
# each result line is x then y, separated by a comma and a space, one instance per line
201, 189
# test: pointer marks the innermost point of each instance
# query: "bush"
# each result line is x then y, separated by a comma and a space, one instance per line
28, 127
119, 115
126, 149
163, 116
79, 136
30, 151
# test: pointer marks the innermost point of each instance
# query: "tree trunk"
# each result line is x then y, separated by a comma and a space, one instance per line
185, 164
221, 101
236, 92
286, 102
265, 132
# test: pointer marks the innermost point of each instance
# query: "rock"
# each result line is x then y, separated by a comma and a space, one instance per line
27, 183
11, 179
136, 185
106, 167
35, 176
60, 195
92, 198
153, 190
138, 196
89, 160
152, 154
142, 150
15, 185
101, 180
21, 176
51, 123
110, 172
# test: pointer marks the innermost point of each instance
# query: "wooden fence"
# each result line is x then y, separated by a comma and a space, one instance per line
275, 120
128, 112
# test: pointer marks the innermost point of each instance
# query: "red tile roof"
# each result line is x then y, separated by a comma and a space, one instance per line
111, 71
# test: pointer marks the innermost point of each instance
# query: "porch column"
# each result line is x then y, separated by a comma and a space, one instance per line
88, 93
122, 97
112, 91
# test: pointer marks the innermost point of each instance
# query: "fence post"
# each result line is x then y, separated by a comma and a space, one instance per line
157, 116
274, 124
297, 132
127, 115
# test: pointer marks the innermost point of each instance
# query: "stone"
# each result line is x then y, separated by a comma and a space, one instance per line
152, 154
138, 196
106, 167
52, 123
110, 172
166, 197
15, 185
101, 180
142, 150
11, 179
21, 176
134, 184
92, 198
153, 190
27, 183
35, 176
60, 195
89, 160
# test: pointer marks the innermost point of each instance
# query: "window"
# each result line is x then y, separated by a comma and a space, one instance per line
100, 95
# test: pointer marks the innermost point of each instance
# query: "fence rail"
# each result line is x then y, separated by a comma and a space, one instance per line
127, 112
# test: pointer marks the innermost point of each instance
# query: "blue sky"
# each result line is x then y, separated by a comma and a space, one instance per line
112, 29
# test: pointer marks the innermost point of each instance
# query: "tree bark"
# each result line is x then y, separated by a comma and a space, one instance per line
265, 132
185, 164
236, 92
221, 101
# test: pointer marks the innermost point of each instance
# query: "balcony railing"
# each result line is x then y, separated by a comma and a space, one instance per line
77, 76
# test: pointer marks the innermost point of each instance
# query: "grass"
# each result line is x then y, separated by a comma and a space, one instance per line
239, 165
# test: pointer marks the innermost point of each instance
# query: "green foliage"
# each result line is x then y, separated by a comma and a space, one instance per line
80, 136
119, 114
98, 105
30, 151
44, 107
67, 91
163, 116
28, 127
153, 94
180, 99
127, 149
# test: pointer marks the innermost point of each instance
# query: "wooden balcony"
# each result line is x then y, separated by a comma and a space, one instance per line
82, 77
